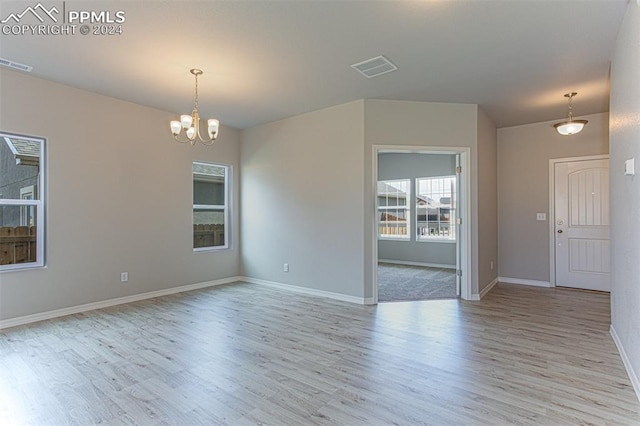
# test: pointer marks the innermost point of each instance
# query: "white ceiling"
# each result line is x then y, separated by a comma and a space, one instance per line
266, 60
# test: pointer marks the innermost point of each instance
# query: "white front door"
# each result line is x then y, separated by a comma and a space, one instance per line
582, 224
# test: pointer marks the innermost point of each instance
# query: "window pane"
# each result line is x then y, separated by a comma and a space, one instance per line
19, 168
209, 184
393, 209
18, 242
208, 228
436, 204
208, 193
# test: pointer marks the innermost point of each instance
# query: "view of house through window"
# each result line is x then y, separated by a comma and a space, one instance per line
21, 201
435, 208
393, 209
210, 206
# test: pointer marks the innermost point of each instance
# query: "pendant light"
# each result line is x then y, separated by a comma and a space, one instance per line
571, 126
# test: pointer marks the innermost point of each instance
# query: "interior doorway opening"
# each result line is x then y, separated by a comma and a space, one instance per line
421, 245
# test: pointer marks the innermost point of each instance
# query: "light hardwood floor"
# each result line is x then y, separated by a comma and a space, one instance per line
245, 354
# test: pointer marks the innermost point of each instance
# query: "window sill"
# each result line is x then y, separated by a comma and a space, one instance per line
436, 240
21, 267
210, 249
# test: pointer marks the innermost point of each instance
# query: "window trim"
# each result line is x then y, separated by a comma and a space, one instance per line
39, 204
407, 208
227, 198
422, 239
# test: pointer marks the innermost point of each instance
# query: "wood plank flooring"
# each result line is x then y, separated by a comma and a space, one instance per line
243, 354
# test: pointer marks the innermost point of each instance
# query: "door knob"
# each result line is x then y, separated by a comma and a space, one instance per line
559, 231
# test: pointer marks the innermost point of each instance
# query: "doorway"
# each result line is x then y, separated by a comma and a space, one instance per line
420, 238
579, 229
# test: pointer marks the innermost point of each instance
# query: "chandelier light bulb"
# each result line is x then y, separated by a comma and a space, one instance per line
186, 121
176, 126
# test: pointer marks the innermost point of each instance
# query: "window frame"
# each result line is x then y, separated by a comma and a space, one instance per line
226, 207
38, 204
407, 208
453, 209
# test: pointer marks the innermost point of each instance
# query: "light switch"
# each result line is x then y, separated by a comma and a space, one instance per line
541, 216
630, 167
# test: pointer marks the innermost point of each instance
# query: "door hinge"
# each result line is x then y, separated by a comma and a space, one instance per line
459, 272
459, 169
458, 221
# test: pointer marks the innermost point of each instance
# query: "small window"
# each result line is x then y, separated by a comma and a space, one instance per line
21, 201
393, 209
210, 206
436, 208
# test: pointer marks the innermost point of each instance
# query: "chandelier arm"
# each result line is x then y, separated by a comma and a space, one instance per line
183, 141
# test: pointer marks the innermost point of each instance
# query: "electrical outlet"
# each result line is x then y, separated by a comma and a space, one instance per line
124, 277
492, 265
285, 267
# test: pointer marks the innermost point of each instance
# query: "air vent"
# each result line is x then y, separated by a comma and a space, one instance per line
15, 65
374, 67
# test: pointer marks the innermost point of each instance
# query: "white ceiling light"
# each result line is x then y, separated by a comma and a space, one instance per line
190, 124
571, 126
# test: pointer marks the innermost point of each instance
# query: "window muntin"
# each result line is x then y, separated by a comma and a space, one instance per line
22, 175
436, 208
210, 206
393, 209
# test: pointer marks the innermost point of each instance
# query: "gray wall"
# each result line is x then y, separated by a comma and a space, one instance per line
523, 189
302, 198
319, 189
419, 124
411, 166
487, 200
119, 192
625, 192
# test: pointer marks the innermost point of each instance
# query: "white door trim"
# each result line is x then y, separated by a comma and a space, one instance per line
465, 209
552, 207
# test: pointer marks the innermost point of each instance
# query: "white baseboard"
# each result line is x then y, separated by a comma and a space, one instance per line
635, 382
524, 282
486, 290
27, 319
428, 265
310, 291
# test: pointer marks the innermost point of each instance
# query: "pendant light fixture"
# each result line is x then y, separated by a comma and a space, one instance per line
571, 126
190, 124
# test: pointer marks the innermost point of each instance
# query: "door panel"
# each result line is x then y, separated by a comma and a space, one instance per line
582, 224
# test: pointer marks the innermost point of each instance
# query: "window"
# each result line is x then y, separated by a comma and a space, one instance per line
393, 209
436, 208
21, 201
210, 206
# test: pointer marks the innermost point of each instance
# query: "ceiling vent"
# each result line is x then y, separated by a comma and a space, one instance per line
374, 67
15, 65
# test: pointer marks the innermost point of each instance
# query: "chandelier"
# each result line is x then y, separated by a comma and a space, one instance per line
190, 124
571, 126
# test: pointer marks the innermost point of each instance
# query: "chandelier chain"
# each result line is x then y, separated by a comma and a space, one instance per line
196, 94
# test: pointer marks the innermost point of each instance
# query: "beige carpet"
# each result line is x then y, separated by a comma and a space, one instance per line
403, 282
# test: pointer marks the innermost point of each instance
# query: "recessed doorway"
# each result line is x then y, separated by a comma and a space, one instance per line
420, 243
